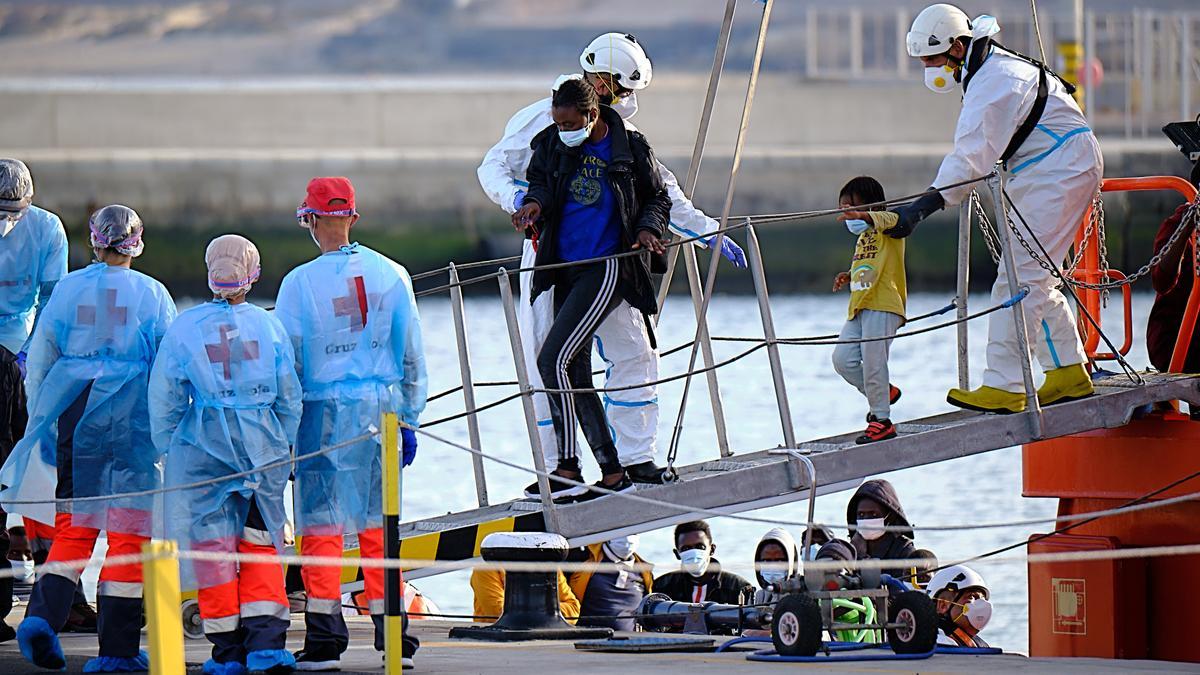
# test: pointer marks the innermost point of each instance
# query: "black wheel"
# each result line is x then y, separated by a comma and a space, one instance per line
796, 627
193, 627
918, 616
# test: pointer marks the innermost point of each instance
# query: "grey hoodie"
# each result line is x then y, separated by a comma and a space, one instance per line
782, 537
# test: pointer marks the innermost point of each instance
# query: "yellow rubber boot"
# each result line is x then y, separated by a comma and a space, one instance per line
987, 399
1068, 383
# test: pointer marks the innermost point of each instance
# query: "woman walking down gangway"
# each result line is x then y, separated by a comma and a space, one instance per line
225, 399
89, 436
353, 321
1015, 112
593, 192
617, 65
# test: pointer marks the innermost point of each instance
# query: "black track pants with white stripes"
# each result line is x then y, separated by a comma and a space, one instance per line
583, 296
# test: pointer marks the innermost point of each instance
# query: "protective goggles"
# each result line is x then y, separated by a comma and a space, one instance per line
305, 215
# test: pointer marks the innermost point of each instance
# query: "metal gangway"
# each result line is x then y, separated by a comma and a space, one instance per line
797, 468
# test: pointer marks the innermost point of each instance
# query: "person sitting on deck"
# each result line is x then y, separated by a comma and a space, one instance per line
963, 606
873, 508
609, 598
877, 302
488, 586
700, 577
821, 535
1172, 278
776, 558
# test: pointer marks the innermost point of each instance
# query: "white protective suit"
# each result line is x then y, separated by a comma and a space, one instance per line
1051, 180
621, 341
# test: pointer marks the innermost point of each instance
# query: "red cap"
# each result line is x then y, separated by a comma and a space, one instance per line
323, 190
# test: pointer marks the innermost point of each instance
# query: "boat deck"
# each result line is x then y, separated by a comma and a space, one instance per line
439, 654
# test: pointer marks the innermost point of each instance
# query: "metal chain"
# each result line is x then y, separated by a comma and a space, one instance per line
1087, 235
1184, 223
985, 226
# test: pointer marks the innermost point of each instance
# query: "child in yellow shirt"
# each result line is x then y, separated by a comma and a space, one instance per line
877, 304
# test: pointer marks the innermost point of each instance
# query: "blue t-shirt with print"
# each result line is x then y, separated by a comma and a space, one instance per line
590, 225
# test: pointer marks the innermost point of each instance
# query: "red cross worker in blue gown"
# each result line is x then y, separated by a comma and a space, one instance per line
89, 439
353, 322
225, 400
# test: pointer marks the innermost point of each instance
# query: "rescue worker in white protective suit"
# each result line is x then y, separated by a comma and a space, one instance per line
1016, 112
618, 67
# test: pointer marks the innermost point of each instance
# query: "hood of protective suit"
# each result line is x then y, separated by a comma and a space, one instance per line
784, 538
881, 491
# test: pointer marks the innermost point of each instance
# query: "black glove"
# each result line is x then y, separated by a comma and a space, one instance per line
915, 212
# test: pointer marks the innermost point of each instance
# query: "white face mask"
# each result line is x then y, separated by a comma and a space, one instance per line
940, 79
871, 528
774, 576
694, 561
9, 221
573, 139
622, 548
23, 571
812, 551
978, 613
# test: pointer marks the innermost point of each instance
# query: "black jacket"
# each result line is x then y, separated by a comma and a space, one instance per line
892, 545
723, 587
640, 196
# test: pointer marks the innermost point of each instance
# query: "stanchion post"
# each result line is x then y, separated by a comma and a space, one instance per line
1032, 408
164, 622
964, 280
393, 589
754, 255
468, 383
549, 515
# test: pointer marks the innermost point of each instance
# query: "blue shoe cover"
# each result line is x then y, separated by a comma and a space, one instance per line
39, 643
270, 660
230, 668
118, 664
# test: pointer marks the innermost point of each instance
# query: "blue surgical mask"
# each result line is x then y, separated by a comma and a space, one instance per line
857, 226
573, 139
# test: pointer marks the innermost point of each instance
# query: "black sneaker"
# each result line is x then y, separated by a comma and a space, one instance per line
81, 619
559, 489
317, 662
645, 472
620, 486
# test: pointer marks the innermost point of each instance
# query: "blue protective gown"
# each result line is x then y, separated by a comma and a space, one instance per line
224, 399
33, 256
352, 317
89, 428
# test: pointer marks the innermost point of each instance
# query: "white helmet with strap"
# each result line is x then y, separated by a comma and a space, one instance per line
956, 578
935, 28
619, 55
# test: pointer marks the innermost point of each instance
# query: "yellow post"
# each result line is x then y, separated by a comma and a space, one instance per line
164, 624
393, 596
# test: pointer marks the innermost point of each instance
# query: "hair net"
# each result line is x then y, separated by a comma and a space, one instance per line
233, 265
117, 227
16, 185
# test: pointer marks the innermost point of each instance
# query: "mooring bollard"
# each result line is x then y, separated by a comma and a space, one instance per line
531, 609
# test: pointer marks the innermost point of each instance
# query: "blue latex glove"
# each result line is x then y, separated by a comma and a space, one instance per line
408, 441
21, 363
519, 200
733, 253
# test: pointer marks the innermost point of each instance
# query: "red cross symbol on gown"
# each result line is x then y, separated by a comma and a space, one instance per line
106, 317
230, 350
353, 305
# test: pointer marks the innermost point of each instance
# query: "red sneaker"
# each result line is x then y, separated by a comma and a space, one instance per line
877, 430
893, 393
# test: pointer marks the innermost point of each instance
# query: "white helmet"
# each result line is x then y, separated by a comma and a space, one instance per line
620, 55
956, 578
934, 29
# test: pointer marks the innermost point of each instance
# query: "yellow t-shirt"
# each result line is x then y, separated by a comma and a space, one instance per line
877, 269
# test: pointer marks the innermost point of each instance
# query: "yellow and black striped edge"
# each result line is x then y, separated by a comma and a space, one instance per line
462, 543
